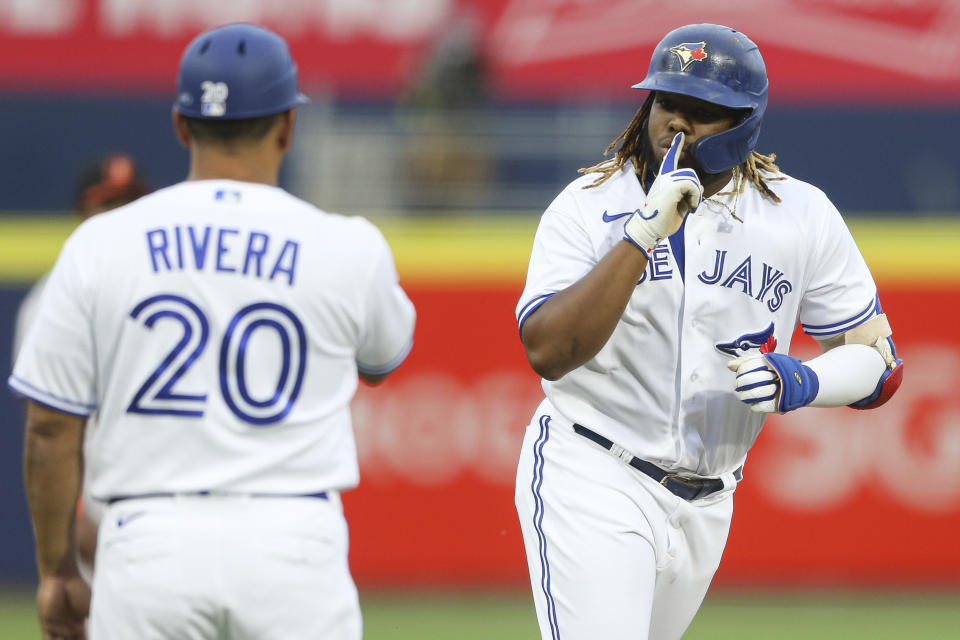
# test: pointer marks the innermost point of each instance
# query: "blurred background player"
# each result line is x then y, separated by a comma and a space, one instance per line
645, 290
111, 181
441, 115
217, 329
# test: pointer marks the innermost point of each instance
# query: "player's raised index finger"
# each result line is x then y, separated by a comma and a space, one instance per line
673, 154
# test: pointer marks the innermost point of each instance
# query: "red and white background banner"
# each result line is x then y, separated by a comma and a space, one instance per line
830, 496
831, 51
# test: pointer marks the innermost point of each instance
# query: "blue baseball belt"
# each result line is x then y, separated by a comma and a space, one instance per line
322, 495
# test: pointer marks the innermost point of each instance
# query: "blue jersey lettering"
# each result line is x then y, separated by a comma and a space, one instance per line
256, 248
223, 249
773, 287
199, 248
157, 245
659, 263
286, 262
714, 278
237, 251
741, 275
779, 291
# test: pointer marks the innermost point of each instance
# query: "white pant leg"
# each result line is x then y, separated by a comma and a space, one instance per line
612, 554
589, 549
296, 582
213, 567
698, 534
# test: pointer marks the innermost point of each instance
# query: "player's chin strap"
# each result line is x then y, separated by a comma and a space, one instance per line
850, 374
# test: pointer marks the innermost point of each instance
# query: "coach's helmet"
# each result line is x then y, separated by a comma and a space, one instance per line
722, 66
237, 71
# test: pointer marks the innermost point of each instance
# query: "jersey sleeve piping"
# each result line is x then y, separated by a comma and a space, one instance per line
51, 401
530, 307
835, 328
377, 370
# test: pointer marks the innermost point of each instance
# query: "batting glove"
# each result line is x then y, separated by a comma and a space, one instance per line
774, 382
674, 193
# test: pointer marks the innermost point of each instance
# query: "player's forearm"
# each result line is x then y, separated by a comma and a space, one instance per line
573, 325
846, 374
851, 374
52, 468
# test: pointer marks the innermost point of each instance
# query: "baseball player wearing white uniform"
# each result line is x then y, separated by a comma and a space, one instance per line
659, 308
112, 182
216, 329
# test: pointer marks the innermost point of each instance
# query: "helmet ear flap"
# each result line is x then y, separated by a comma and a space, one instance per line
725, 150
695, 151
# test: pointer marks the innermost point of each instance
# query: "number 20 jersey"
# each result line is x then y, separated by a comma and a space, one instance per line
214, 331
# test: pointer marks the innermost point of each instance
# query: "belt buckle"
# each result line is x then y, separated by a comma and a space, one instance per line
698, 487
692, 483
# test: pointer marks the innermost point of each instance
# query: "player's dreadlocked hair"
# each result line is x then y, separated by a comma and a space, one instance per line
631, 145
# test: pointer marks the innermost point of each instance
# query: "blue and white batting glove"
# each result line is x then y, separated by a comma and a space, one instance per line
774, 382
674, 193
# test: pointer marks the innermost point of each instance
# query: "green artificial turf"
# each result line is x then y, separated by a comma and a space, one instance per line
782, 615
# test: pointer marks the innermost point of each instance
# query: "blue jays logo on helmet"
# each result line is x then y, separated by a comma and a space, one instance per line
748, 341
689, 52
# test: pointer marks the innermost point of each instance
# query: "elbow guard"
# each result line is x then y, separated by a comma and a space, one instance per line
889, 381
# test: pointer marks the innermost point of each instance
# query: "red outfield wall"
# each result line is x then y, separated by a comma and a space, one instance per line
829, 497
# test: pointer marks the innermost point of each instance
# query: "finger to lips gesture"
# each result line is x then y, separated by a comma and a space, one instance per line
690, 186
674, 193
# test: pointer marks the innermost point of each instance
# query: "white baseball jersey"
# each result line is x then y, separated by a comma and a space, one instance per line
660, 387
215, 329
27, 312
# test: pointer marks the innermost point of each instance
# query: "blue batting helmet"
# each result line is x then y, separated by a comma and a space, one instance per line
722, 66
237, 71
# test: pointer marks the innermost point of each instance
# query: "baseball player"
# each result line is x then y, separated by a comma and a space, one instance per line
110, 182
216, 329
663, 289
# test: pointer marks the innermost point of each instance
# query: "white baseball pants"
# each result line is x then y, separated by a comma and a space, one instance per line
612, 554
214, 567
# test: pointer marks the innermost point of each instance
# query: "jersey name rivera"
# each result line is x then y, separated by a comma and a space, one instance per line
222, 249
